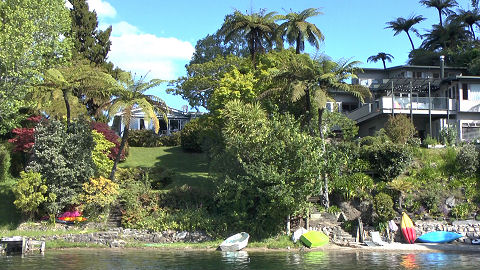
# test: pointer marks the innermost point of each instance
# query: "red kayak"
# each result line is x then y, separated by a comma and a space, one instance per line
408, 230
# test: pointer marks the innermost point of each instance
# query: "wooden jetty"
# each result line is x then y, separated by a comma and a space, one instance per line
20, 244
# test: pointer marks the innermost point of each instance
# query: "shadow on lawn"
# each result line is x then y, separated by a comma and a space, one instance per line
9, 216
189, 168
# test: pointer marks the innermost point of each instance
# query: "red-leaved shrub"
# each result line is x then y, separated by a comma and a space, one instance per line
111, 136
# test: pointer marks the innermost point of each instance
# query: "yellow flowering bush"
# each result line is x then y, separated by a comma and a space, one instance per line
99, 193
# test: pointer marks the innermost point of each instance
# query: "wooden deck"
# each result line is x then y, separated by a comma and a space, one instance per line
20, 244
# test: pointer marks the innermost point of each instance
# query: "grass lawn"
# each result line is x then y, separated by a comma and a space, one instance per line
189, 168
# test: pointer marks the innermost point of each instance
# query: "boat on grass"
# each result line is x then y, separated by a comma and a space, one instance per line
314, 239
439, 237
235, 242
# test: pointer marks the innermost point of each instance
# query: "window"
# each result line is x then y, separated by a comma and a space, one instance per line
474, 92
409, 74
142, 124
470, 133
465, 91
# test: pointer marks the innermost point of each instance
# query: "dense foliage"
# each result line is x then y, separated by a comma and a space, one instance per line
62, 155
266, 170
30, 192
100, 152
400, 128
4, 163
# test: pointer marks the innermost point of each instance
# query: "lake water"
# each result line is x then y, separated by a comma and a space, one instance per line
160, 259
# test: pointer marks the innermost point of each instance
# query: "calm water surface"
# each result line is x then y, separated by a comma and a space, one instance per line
154, 259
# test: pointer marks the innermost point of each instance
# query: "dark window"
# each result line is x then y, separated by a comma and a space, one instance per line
142, 124
418, 74
465, 91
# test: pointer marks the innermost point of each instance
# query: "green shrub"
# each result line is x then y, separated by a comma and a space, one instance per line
383, 206
63, 156
462, 210
174, 139
266, 169
160, 177
400, 128
429, 141
4, 162
98, 194
30, 192
191, 136
143, 138
357, 185
100, 154
448, 136
389, 160
467, 160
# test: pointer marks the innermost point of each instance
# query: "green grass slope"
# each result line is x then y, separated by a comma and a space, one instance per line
189, 168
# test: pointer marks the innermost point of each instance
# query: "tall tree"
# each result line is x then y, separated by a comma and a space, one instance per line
405, 25
310, 81
258, 28
469, 18
296, 29
131, 96
62, 82
445, 37
212, 46
381, 56
32, 39
442, 6
89, 42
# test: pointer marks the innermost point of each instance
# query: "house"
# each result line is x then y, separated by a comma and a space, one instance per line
435, 97
176, 121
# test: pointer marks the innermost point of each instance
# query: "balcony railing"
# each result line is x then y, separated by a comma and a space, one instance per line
400, 104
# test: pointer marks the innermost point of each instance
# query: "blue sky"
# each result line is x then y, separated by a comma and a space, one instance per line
159, 36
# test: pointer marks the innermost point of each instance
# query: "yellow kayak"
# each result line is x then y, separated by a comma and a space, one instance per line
408, 230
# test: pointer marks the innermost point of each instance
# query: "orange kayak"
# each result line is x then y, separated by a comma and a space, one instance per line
408, 230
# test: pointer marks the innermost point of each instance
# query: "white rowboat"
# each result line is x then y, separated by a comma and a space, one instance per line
235, 242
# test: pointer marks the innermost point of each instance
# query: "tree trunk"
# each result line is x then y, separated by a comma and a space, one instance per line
440, 16
384, 66
67, 105
410, 38
325, 200
473, 33
297, 50
119, 154
309, 110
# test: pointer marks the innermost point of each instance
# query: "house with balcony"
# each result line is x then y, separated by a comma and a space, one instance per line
435, 97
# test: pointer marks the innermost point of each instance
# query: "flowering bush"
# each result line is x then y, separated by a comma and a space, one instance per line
99, 193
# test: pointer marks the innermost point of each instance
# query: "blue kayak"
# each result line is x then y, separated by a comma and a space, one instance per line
439, 237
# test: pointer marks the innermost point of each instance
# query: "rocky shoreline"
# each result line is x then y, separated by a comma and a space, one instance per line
120, 237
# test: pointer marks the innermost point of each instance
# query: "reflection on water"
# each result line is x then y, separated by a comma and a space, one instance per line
160, 259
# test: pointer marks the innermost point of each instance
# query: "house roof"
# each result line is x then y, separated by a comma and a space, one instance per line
406, 85
172, 114
413, 67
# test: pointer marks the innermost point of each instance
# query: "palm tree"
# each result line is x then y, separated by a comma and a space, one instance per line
381, 56
469, 18
63, 82
402, 24
132, 96
296, 29
445, 37
442, 6
258, 28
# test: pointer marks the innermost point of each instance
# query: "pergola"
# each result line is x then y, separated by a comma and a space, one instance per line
406, 85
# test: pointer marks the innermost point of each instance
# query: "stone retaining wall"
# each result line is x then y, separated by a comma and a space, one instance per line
469, 228
117, 237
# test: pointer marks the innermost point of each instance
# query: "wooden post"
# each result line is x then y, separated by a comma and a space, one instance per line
24, 245
288, 225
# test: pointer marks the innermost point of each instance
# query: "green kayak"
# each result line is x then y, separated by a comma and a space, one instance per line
314, 239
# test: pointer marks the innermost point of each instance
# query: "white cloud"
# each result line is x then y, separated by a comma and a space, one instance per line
139, 52
124, 28
103, 8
